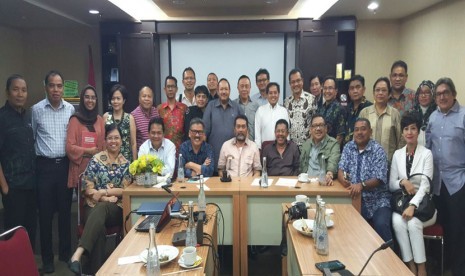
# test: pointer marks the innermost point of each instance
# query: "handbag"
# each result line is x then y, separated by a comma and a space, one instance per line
400, 201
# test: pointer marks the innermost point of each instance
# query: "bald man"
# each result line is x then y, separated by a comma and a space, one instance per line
143, 113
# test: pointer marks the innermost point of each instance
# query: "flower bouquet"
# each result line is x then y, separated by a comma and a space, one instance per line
145, 169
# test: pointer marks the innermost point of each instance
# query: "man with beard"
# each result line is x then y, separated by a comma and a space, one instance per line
240, 156
196, 153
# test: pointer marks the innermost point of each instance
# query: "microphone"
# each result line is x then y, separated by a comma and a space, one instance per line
166, 187
382, 247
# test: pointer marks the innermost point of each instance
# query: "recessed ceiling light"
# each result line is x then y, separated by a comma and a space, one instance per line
271, 2
94, 12
373, 6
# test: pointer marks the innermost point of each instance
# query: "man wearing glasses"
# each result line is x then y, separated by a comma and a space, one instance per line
197, 155
401, 98
188, 80
262, 78
301, 106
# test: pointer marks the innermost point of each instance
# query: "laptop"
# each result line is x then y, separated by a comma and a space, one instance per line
157, 208
160, 221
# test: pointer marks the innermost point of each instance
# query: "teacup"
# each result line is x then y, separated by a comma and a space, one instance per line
301, 198
303, 177
189, 255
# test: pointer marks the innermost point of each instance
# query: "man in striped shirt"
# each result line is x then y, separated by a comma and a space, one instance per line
143, 113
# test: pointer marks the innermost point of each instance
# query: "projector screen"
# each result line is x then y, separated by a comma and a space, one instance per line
229, 56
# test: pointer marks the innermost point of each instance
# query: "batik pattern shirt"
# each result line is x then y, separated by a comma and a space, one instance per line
300, 115
174, 122
352, 116
362, 166
405, 102
334, 116
124, 126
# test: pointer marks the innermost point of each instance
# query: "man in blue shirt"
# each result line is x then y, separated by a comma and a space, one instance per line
197, 155
445, 137
363, 171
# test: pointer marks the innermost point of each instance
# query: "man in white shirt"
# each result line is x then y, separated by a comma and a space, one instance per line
267, 115
158, 145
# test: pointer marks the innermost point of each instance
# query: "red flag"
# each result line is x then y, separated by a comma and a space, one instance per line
91, 76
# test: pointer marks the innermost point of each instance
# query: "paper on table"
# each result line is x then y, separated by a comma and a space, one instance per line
129, 260
287, 182
205, 187
256, 182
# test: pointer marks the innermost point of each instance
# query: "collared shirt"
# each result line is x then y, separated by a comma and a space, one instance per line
17, 153
265, 122
219, 124
166, 153
328, 147
445, 137
405, 102
371, 163
259, 99
191, 113
188, 155
210, 97
186, 101
142, 120
173, 121
385, 126
250, 109
242, 161
334, 116
284, 165
49, 126
352, 116
300, 114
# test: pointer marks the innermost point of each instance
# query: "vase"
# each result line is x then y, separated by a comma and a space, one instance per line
148, 180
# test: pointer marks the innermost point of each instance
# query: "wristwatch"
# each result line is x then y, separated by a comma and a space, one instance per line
364, 185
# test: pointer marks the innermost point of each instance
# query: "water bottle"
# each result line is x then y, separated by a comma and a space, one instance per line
264, 178
322, 172
191, 233
180, 169
202, 201
317, 214
322, 242
153, 263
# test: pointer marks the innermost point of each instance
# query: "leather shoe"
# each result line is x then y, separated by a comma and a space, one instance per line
75, 267
47, 269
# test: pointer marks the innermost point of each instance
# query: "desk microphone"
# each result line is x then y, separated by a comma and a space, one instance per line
382, 247
166, 187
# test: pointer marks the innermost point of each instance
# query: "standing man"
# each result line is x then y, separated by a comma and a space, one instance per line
244, 101
50, 119
188, 80
212, 84
17, 160
240, 156
363, 171
301, 106
282, 156
219, 118
172, 113
357, 103
332, 110
316, 89
445, 138
402, 98
267, 116
262, 78
143, 113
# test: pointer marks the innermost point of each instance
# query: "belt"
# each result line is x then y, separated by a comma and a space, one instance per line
57, 160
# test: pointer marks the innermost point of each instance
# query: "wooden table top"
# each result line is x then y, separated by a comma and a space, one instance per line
351, 241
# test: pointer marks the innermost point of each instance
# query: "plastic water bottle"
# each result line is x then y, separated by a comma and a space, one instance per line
322, 172
153, 263
264, 179
201, 200
322, 242
191, 232
180, 169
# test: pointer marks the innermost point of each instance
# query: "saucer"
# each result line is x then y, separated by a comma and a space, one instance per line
198, 261
304, 181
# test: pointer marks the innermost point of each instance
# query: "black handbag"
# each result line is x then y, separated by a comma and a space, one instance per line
400, 201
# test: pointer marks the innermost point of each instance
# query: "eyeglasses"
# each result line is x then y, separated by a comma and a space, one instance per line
424, 94
262, 80
89, 97
381, 90
446, 93
196, 132
318, 126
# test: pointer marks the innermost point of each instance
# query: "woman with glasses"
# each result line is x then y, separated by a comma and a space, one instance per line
106, 176
84, 135
425, 105
384, 119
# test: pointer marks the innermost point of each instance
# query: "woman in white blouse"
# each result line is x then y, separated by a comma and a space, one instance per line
411, 159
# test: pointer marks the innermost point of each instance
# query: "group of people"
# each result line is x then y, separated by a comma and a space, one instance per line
372, 149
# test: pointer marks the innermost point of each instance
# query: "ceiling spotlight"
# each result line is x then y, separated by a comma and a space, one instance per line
373, 6
271, 2
178, 2
94, 12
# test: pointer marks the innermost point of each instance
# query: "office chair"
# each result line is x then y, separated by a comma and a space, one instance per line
435, 232
16, 256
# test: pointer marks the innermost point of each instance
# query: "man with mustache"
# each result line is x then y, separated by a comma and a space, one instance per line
240, 156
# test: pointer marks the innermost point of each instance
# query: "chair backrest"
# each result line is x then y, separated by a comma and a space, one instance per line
16, 256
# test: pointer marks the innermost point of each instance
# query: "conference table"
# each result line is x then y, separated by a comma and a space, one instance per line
252, 214
135, 242
351, 241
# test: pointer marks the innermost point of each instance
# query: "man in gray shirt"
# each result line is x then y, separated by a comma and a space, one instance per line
248, 106
219, 119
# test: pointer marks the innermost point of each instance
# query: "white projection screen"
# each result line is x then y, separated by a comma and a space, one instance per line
229, 56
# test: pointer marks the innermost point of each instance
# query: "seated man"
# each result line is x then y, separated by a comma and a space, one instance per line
363, 171
282, 155
197, 155
238, 155
320, 144
158, 145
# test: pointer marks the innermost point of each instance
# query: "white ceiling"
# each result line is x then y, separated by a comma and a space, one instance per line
30, 14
